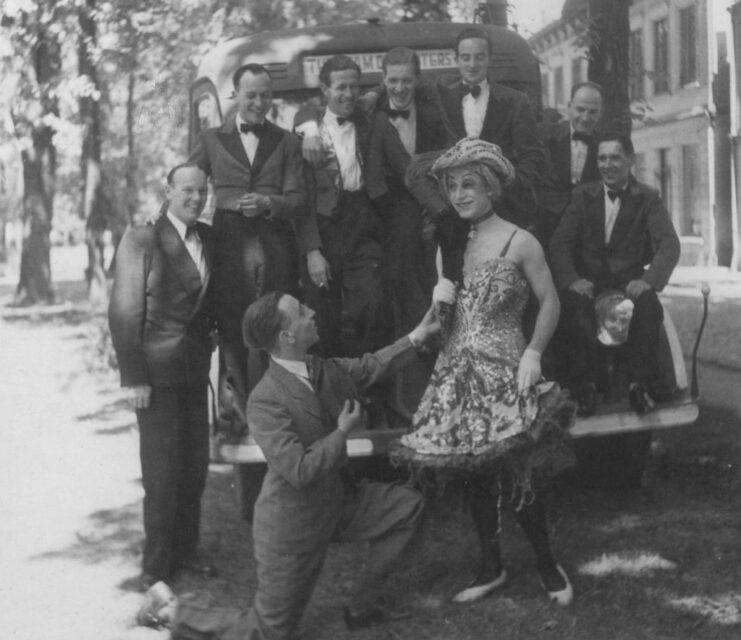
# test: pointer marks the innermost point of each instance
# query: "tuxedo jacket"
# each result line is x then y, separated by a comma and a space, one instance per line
389, 159
277, 170
302, 495
643, 234
509, 123
160, 312
554, 186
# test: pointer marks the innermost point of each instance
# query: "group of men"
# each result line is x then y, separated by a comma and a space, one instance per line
345, 246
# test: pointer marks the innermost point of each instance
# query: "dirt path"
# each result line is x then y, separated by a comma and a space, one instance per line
69, 489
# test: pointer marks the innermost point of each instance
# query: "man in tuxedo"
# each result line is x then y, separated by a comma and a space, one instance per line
161, 320
257, 175
571, 157
611, 230
417, 126
301, 412
476, 107
344, 275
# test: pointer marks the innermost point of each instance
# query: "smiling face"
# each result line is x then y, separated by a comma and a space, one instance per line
342, 92
254, 97
472, 58
468, 192
585, 110
299, 327
614, 163
400, 81
186, 196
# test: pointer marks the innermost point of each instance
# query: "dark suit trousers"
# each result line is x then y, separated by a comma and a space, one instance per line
351, 314
408, 275
384, 515
253, 256
174, 452
578, 345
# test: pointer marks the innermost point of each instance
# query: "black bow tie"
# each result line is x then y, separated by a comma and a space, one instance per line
581, 136
474, 90
342, 120
399, 113
191, 232
257, 129
613, 194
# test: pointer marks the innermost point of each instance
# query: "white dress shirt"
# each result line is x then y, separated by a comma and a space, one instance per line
297, 368
612, 207
579, 151
343, 139
249, 141
407, 128
192, 244
474, 110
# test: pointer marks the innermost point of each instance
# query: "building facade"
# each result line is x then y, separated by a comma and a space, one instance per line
678, 85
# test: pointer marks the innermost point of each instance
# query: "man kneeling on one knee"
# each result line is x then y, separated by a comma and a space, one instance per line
300, 415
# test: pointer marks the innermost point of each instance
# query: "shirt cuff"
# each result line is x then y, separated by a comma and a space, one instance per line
308, 129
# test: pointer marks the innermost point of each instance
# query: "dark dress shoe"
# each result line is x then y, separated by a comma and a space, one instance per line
640, 399
355, 620
586, 399
197, 564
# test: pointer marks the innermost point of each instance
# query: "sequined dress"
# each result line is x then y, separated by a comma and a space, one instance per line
471, 416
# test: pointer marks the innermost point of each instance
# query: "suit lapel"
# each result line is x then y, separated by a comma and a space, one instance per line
595, 209
177, 255
625, 214
267, 143
451, 98
562, 153
232, 142
297, 389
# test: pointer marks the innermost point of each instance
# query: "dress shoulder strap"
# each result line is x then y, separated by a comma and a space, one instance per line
505, 248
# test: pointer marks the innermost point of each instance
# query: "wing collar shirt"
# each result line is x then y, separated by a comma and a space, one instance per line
612, 208
249, 141
578, 157
474, 110
407, 128
297, 368
192, 243
343, 138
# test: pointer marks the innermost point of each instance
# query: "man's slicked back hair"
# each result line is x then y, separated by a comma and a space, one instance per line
262, 321
337, 63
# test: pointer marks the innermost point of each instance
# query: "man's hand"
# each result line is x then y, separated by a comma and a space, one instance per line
428, 328
350, 417
444, 292
318, 269
529, 372
311, 150
582, 287
139, 396
636, 287
253, 204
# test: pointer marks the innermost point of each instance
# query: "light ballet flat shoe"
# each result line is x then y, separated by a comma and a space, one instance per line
563, 597
470, 594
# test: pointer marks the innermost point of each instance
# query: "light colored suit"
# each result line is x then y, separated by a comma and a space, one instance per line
307, 498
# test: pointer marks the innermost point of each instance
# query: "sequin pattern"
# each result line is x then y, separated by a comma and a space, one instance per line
471, 400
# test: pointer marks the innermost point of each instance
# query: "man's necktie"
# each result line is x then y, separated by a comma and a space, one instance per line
580, 136
474, 90
341, 120
399, 113
612, 194
257, 129
191, 232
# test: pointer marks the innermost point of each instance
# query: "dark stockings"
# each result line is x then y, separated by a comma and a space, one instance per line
486, 501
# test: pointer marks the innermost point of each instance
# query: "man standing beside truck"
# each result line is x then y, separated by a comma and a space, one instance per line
257, 175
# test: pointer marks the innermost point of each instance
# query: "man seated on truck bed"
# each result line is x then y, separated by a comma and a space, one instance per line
300, 413
610, 231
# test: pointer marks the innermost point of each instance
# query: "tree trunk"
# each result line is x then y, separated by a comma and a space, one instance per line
609, 35
94, 204
39, 169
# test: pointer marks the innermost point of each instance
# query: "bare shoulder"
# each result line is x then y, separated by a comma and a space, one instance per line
525, 247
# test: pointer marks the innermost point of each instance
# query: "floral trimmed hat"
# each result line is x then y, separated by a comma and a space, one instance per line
470, 150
